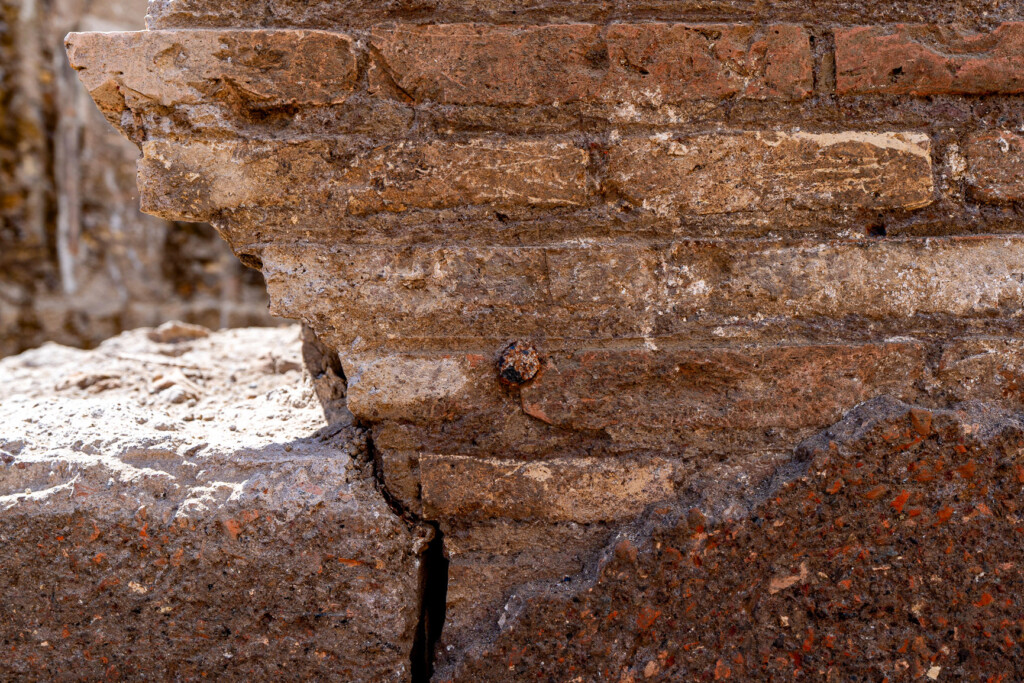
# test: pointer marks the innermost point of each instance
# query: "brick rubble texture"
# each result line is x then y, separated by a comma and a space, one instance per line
727, 228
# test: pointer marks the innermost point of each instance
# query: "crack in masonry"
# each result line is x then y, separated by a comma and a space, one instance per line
433, 580
433, 588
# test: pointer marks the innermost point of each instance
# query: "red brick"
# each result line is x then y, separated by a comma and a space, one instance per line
470, 64
582, 490
929, 60
788, 387
664, 390
548, 172
678, 62
989, 369
995, 166
189, 67
477, 64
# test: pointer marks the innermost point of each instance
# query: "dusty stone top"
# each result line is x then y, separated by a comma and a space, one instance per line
179, 498
184, 426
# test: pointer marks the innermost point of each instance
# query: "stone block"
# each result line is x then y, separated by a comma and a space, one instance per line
161, 521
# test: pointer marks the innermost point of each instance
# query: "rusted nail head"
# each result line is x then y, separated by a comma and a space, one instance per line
518, 363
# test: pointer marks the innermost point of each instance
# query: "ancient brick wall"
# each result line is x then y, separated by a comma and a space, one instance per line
710, 229
78, 262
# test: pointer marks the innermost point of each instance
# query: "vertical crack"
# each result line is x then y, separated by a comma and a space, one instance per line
433, 589
331, 386
433, 601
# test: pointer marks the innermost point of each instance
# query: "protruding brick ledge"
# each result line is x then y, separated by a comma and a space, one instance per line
199, 67
913, 59
375, 297
613, 402
701, 174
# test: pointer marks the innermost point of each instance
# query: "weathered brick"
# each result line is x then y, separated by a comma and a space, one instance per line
192, 181
629, 400
915, 59
190, 67
724, 173
473, 64
584, 490
421, 383
995, 166
668, 63
638, 393
436, 175
582, 292
987, 369
479, 64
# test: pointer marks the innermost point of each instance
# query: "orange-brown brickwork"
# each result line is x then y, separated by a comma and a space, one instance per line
725, 229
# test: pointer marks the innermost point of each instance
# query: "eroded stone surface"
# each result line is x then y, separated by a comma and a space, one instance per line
179, 510
531, 65
573, 294
995, 165
192, 67
895, 516
726, 174
209, 178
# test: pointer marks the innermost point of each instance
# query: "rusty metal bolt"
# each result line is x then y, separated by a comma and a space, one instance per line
518, 363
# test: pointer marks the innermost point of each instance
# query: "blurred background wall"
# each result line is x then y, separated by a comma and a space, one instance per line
78, 261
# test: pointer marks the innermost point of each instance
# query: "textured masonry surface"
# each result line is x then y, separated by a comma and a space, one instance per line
173, 507
723, 226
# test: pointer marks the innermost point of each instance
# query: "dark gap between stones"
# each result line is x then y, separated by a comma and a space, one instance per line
433, 579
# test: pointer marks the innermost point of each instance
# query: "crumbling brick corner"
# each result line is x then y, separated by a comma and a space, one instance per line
719, 226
